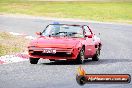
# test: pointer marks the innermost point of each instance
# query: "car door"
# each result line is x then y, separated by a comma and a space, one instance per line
89, 42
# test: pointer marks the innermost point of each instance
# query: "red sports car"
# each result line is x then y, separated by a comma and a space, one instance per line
64, 41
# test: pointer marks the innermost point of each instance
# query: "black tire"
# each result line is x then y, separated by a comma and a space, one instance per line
80, 57
34, 60
96, 56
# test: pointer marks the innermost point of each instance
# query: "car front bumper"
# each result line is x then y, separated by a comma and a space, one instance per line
61, 53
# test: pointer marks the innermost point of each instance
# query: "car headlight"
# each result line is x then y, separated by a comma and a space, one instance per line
69, 53
31, 46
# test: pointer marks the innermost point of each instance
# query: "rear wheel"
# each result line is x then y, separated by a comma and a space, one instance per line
34, 60
81, 57
96, 56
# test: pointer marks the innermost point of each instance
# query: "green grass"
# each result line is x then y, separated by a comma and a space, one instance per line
98, 11
10, 44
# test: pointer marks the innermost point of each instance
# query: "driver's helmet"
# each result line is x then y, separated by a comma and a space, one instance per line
56, 22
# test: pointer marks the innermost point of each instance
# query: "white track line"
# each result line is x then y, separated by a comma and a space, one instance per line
13, 58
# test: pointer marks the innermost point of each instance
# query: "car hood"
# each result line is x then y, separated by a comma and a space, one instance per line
57, 42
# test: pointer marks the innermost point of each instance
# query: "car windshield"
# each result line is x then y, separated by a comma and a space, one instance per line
59, 30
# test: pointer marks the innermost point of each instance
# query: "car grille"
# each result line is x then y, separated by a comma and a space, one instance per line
58, 54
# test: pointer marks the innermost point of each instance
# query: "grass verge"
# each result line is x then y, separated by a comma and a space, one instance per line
10, 44
98, 11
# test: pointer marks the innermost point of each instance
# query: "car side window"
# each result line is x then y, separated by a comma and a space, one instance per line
87, 31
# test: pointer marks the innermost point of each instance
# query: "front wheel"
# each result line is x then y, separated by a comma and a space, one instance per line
33, 60
81, 57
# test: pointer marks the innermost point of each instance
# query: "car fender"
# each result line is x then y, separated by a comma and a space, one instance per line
77, 48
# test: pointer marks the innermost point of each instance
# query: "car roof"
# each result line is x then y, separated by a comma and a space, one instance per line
68, 24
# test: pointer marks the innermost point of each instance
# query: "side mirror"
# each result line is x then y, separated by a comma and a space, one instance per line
89, 36
38, 33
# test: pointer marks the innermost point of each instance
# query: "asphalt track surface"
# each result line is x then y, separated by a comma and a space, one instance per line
116, 57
